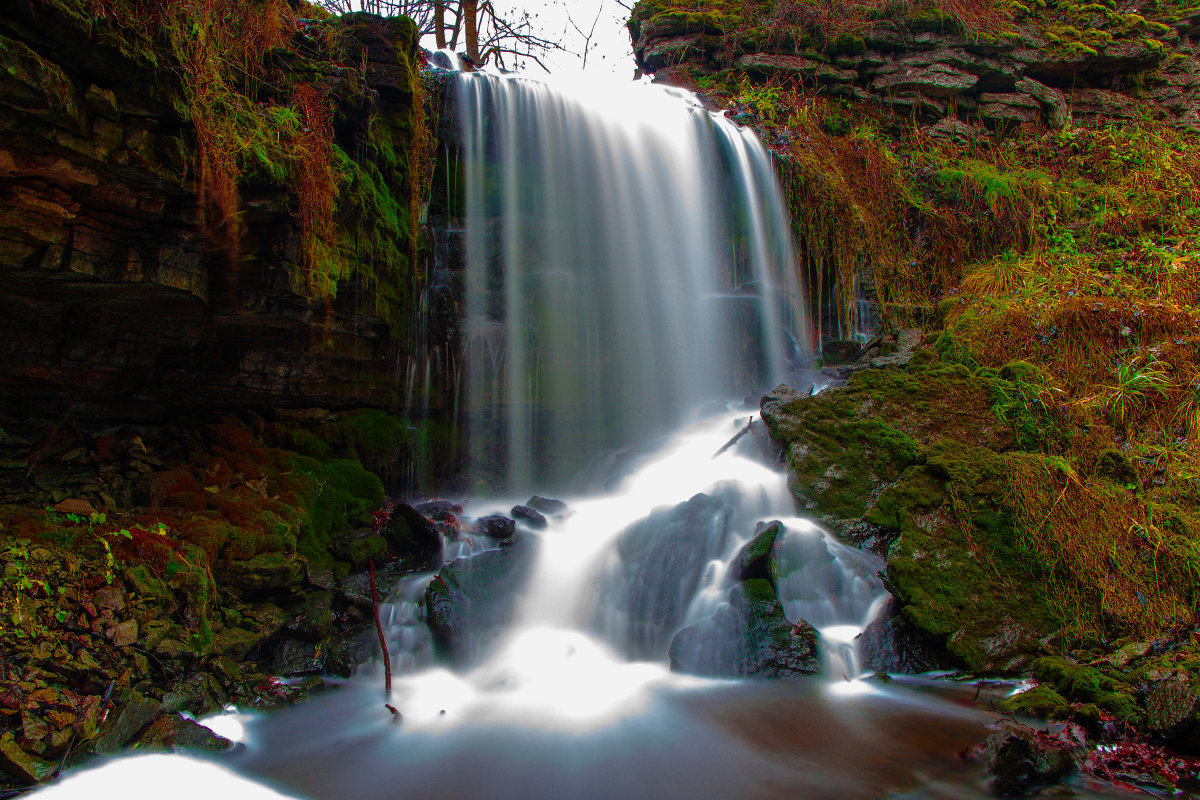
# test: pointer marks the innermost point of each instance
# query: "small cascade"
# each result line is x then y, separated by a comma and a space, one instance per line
627, 255
835, 588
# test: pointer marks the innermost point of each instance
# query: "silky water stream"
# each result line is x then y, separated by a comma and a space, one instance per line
629, 267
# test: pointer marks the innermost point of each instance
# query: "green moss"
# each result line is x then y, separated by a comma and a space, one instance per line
1042, 702
1088, 685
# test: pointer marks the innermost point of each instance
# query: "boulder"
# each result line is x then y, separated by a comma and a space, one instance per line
414, 539
890, 643
176, 734
471, 601
755, 559
644, 592
747, 637
497, 526
841, 351
547, 506
529, 516
1023, 759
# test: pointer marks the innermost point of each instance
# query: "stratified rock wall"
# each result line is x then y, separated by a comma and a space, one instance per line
1109, 68
119, 303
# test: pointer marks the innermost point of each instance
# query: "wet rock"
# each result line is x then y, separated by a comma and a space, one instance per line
748, 637
660, 562
236, 643
472, 600
346, 653
413, 538
201, 693
143, 583
547, 506
529, 516
754, 560
1023, 759
439, 510
893, 644
176, 734
356, 589
124, 723
497, 526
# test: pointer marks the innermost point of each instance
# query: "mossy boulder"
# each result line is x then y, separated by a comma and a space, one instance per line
924, 452
747, 637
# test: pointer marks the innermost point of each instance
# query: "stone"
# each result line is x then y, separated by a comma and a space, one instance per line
109, 597
414, 539
21, 765
439, 510
747, 637
892, 644
1171, 709
935, 80
360, 547
75, 506
262, 572
756, 558
175, 734
841, 351
547, 506
470, 602
123, 634
236, 643
529, 516
498, 527
660, 562
298, 658
1022, 761
124, 723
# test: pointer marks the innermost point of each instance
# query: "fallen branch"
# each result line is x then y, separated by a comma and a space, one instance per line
749, 427
387, 659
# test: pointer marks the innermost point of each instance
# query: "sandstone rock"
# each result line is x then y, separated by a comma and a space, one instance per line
81, 507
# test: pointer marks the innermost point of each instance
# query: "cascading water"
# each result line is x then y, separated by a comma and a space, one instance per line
628, 267
605, 291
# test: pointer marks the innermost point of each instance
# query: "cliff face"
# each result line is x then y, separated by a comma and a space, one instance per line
1081, 63
126, 296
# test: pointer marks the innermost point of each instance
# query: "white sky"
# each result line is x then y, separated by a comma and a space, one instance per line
610, 50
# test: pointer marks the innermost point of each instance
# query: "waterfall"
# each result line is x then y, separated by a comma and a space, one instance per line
629, 258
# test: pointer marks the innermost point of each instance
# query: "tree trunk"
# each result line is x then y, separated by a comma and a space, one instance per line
470, 9
439, 23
